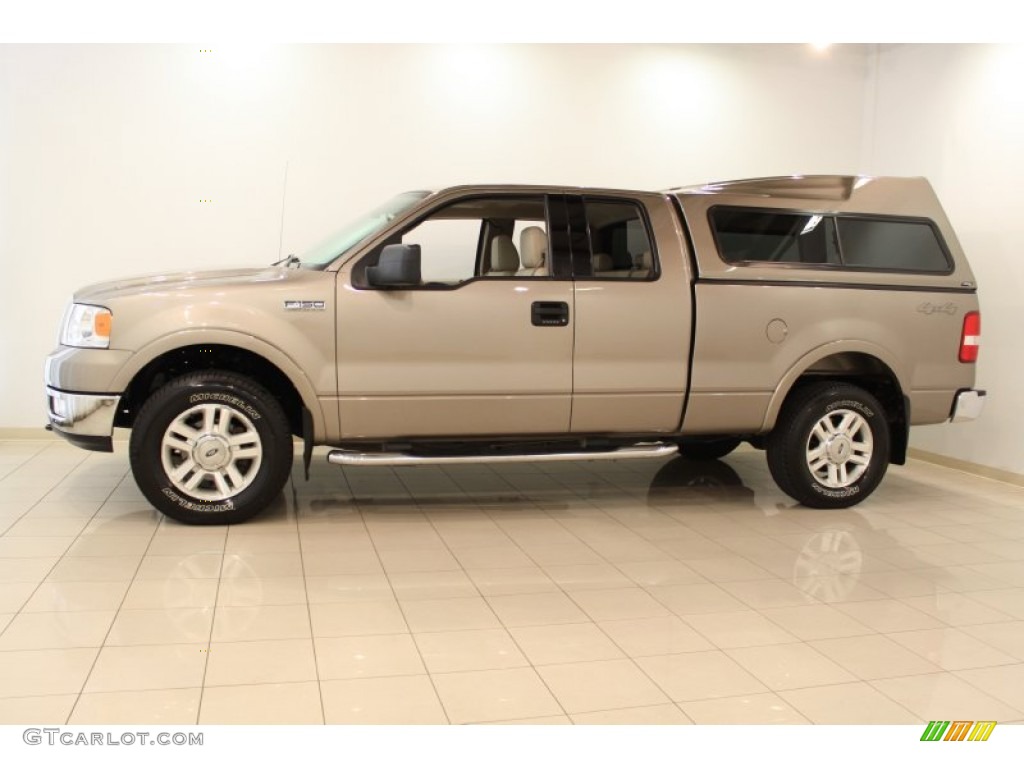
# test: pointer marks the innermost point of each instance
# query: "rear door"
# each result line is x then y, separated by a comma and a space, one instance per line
633, 302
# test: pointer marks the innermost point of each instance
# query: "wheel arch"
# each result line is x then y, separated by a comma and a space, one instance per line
868, 367
186, 352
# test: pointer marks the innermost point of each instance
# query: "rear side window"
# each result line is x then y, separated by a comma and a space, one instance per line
753, 235
901, 245
619, 244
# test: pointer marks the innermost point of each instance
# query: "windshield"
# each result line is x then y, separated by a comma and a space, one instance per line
355, 232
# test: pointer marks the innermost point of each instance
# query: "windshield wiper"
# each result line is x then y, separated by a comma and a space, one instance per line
291, 260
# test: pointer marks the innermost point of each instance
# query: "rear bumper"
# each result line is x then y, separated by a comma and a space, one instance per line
967, 405
85, 420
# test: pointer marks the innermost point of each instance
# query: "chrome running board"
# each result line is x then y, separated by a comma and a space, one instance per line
359, 459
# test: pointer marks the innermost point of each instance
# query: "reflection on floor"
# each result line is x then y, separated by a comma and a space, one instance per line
632, 592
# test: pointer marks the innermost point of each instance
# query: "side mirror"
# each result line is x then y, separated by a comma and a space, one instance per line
398, 267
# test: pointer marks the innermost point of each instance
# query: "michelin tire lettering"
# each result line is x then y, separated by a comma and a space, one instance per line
202, 397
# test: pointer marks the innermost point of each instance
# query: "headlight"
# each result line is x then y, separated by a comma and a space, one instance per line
86, 326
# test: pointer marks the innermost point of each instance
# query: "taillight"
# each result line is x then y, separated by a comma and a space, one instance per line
970, 339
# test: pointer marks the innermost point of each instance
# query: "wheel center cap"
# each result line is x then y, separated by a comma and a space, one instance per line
211, 452
839, 449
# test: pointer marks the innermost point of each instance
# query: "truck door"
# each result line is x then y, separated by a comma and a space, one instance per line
633, 314
482, 346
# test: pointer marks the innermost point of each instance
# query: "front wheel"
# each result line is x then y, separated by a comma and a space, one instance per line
830, 446
211, 448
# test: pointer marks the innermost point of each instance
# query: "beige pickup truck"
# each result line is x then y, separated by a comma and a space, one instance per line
816, 318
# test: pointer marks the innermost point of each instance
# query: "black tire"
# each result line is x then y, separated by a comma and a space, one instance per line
240, 487
707, 448
791, 443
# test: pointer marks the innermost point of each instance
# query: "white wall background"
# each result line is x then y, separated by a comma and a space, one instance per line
956, 115
107, 151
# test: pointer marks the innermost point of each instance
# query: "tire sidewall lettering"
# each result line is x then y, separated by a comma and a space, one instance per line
836, 493
204, 397
850, 404
226, 506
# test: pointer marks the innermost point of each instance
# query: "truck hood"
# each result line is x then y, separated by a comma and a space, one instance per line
100, 292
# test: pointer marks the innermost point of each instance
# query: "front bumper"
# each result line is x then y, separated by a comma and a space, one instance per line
967, 405
85, 420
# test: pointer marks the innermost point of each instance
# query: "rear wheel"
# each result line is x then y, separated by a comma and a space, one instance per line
211, 448
830, 446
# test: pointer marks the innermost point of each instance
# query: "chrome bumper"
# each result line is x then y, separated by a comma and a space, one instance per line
85, 420
967, 405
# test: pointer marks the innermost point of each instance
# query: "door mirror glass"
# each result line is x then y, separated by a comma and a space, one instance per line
398, 267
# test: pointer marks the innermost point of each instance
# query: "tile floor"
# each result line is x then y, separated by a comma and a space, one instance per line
635, 592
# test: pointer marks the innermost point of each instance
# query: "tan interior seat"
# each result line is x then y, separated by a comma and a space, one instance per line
533, 249
504, 256
642, 265
602, 265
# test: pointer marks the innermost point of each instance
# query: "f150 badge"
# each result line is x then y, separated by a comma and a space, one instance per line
308, 306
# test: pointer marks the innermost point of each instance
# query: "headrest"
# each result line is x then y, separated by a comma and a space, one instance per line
533, 247
642, 261
504, 256
601, 262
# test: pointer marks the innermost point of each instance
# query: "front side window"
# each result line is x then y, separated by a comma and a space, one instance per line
620, 246
480, 238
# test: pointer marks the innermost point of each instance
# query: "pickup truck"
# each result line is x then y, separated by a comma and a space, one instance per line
817, 318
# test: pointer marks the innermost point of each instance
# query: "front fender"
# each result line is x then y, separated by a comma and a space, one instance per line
226, 337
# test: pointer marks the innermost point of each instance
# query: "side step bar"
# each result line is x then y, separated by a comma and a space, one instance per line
358, 459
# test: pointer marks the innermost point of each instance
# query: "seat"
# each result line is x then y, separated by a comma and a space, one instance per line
533, 249
602, 265
642, 264
504, 257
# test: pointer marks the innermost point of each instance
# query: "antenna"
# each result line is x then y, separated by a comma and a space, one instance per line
284, 195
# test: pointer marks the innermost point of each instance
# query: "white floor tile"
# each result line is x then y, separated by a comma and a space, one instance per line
752, 709
508, 594
174, 706
260, 661
471, 650
783, 667
659, 714
273, 703
148, 667
507, 694
409, 700
44, 673
342, 658
944, 696
267, 622
702, 675
591, 686
848, 704
871, 657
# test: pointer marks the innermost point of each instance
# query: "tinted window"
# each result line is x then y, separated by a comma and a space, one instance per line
900, 245
619, 243
479, 237
753, 235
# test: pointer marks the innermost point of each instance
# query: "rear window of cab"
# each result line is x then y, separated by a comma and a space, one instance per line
755, 236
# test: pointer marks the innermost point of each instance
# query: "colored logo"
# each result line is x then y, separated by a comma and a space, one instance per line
958, 730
